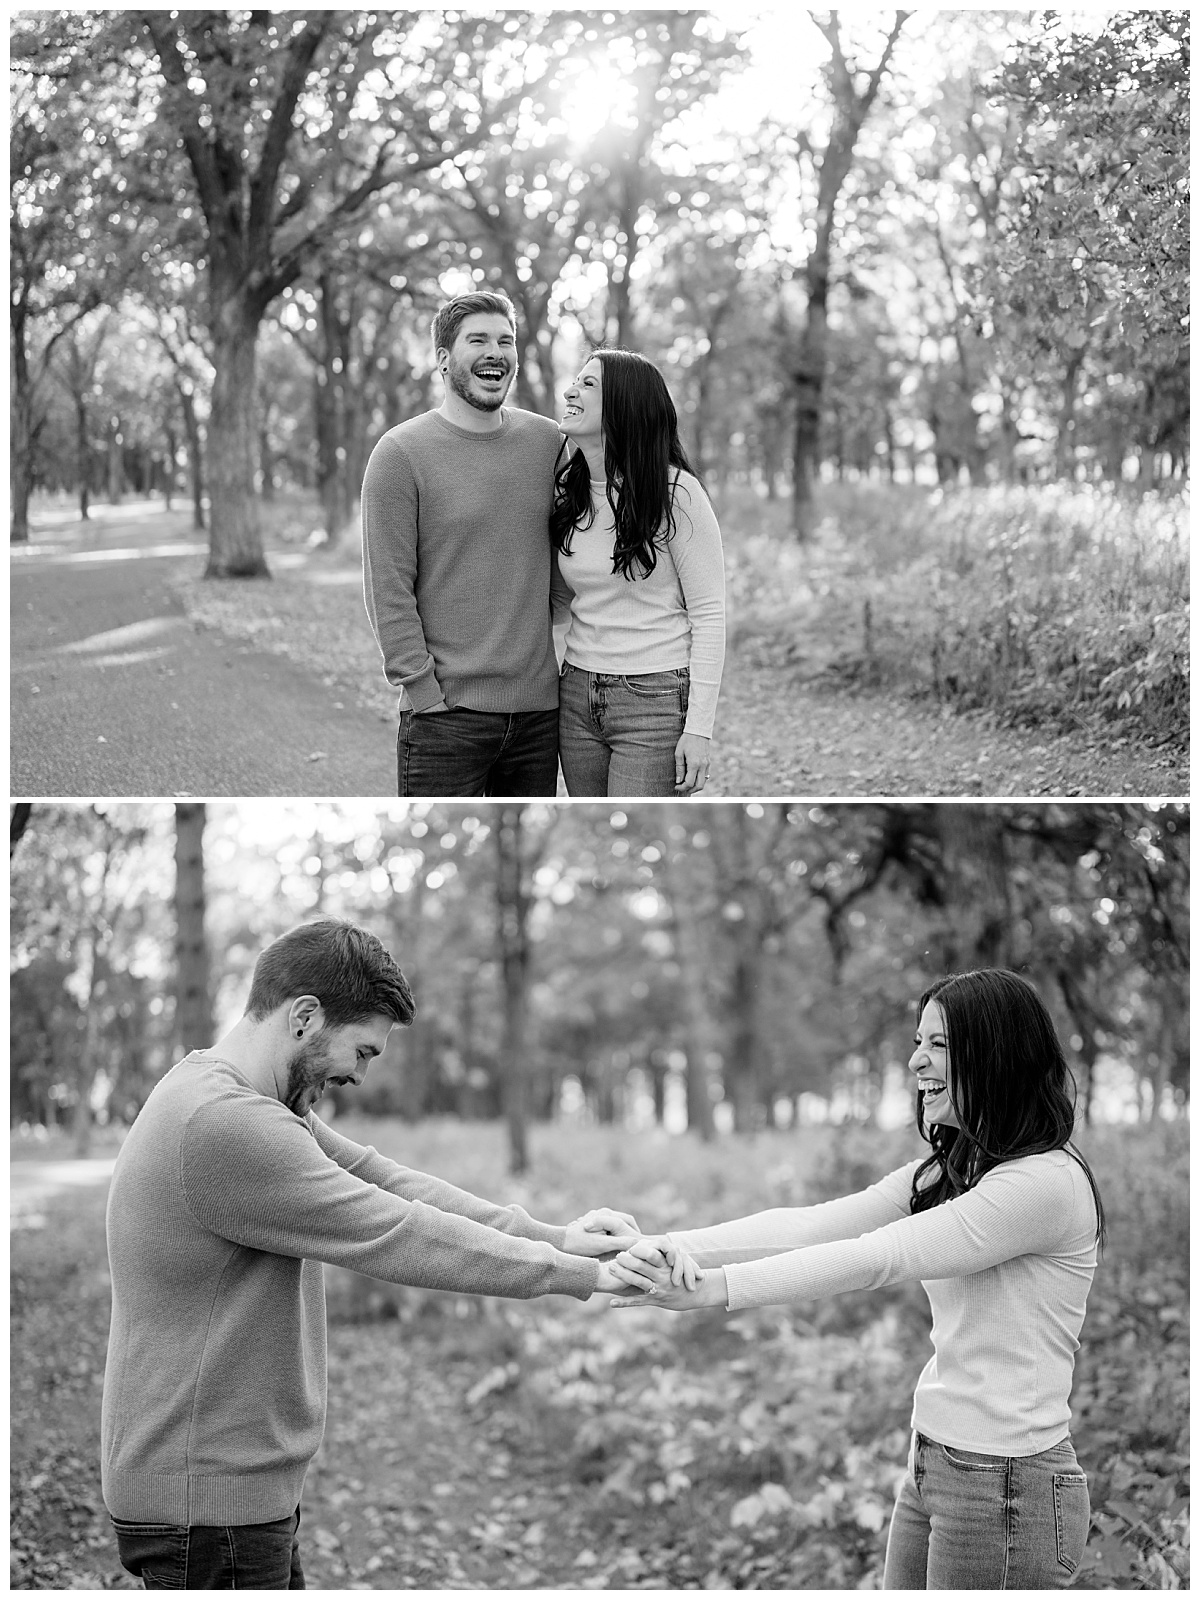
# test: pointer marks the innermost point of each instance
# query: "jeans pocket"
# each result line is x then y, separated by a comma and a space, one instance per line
1072, 1517
974, 1460
155, 1552
654, 685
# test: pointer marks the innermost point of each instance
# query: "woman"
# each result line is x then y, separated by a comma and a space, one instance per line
639, 570
1001, 1222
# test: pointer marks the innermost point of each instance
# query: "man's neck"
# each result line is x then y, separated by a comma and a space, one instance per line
457, 411
249, 1047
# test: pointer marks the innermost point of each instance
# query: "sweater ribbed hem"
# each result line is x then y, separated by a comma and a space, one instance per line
187, 1500
502, 694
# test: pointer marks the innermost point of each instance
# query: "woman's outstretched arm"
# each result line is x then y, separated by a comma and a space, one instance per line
794, 1227
1030, 1206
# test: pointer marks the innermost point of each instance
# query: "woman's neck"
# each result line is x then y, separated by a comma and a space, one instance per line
592, 451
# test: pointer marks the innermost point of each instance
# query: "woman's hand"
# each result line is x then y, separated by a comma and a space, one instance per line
646, 1264
691, 763
660, 1250
631, 1285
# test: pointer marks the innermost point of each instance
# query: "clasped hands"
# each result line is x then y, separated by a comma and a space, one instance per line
643, 1269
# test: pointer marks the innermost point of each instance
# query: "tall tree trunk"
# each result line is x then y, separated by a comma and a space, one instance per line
979, 881
1064, 443
690, 957
744, 1044
20, 455
115, 462
83, 455
191, 428
850, 108
81, 1116
266, 465
235, 540
808, 378
193, 991
169, 463
512, 906
332, 378
658, 1089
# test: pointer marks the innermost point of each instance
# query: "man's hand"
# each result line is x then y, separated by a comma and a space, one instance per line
645, 1261
601, 1233
691, 763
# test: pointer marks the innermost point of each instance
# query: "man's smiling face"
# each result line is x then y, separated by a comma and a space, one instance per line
483, 363
333, 1055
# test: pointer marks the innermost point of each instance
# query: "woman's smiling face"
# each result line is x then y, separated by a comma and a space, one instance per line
581, 419
930, 1061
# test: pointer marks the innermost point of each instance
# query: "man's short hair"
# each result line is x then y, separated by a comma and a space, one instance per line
445, 325
347, 968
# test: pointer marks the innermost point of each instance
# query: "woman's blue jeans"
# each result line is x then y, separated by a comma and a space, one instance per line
970, 1521
617, 732
258, 1555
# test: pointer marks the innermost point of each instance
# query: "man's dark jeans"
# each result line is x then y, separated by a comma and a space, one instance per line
466, 752
258, 1555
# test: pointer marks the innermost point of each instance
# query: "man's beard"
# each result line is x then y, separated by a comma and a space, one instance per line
307, 1068
459, 374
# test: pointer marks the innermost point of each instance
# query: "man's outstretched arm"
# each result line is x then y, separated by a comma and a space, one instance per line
596, 1233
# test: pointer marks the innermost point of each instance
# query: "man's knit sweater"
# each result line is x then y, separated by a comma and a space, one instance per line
1007, 1267
222, 1207
456, 562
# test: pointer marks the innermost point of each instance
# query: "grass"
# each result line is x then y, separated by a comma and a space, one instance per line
1050, 605
499, 1444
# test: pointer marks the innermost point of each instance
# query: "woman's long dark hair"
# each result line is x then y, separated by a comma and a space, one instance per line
641, 446
1009, 1083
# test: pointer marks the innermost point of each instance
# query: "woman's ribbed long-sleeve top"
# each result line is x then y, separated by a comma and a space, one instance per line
674, 617
223, 1205
1007, 1267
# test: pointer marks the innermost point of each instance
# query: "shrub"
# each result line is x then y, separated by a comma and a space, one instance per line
1049, 604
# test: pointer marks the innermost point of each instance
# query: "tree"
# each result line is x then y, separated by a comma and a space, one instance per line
689, 907
55, 191
853, 90
289, 123
514, 859
77, 372
193, 1000
18, 821
1092, 224
755, 906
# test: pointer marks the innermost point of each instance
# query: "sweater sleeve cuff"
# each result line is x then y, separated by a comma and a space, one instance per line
741, 1286
702, 708
424, 692
552, 1232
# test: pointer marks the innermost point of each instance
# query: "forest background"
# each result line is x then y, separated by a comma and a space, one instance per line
918, 280
689, 1011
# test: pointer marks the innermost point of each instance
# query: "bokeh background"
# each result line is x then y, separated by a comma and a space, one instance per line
688, 1011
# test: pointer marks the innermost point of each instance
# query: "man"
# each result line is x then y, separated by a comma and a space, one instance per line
456, 557
226, 1197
